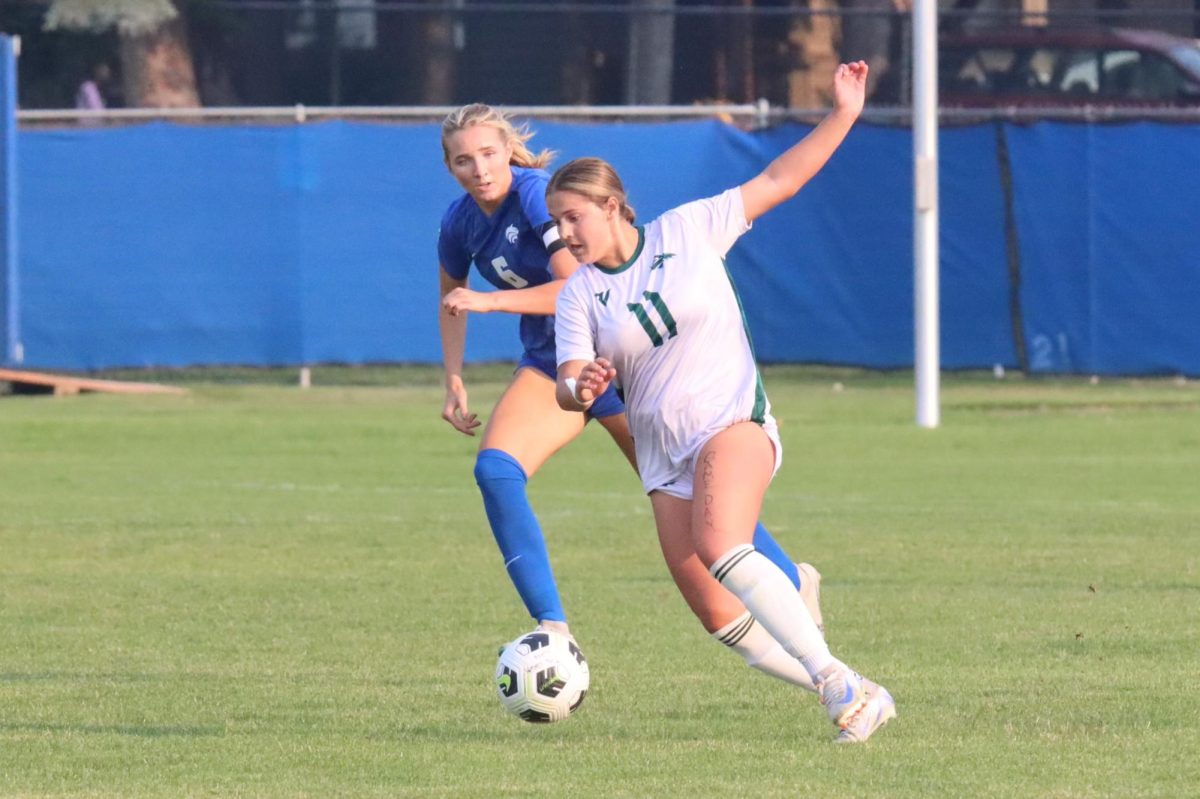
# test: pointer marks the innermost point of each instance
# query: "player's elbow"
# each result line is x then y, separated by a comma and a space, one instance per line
563, 397
786, 186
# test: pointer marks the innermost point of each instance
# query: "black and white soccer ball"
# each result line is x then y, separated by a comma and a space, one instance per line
542, 677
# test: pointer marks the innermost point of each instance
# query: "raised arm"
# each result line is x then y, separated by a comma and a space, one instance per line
788, 173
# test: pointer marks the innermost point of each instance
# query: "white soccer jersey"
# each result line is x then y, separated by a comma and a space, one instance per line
671, 323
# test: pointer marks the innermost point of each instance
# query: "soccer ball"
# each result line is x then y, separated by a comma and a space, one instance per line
542, 677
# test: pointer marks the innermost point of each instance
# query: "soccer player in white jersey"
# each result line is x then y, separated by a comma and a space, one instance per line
655, 312
500, 225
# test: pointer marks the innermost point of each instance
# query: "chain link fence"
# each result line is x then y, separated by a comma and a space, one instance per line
750, 62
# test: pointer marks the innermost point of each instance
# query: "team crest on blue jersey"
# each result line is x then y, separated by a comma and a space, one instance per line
510, 233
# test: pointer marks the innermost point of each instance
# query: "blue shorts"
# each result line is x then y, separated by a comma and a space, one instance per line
607, 404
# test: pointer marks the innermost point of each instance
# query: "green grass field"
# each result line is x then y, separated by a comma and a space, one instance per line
260, 591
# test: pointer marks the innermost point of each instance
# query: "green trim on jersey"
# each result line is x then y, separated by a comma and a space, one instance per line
758, 414
616, 270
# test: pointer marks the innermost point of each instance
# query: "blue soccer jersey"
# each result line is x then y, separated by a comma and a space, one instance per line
507, 248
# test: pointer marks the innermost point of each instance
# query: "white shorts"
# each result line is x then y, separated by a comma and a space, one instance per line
660, 472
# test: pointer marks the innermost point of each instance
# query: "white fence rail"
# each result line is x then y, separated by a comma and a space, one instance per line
759, 114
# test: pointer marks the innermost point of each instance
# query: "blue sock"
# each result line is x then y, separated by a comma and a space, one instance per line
502, 482
770, 548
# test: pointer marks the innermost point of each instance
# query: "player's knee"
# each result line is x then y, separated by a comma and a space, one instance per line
714, 617
710, 549
496, 464
713, 606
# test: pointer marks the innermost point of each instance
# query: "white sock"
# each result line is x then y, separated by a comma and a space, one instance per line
772, 599
760, 651
554, 626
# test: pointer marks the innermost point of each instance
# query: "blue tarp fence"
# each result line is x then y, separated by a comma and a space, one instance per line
169, 245
10, 308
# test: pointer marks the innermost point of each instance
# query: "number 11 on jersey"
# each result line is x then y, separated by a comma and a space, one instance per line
647, 324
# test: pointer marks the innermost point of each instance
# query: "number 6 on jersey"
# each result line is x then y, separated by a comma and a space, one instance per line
507, 275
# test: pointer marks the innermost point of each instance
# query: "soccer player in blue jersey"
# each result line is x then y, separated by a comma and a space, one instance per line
502, 226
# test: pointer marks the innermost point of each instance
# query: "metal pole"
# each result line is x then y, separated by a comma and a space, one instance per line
925, 233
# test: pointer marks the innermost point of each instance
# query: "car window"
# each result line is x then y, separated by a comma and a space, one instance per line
1065, 73
1043, 66
1138, 75
1189, 57
1122, 74
972, 71
1081, 76
998, 70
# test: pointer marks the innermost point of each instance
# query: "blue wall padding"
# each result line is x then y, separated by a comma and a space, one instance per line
169, 245
1109, 221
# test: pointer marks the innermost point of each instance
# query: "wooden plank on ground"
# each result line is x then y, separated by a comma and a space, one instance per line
70, 384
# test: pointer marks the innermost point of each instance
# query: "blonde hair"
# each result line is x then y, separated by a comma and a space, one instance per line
595, 179
481, 114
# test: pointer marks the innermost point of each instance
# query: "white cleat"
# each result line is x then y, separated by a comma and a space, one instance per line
879, 709
810, 592
843, 694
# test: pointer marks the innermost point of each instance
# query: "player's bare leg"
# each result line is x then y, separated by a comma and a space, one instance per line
703, 594
527, 422
732, 474
722, 614
618, 427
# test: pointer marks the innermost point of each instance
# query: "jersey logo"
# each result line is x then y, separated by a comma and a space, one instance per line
510, 233
660, 259
603, 296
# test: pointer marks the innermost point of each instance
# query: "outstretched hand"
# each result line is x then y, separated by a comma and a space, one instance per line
461, 300
850, 87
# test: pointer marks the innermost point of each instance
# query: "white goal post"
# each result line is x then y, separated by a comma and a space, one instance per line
925, 213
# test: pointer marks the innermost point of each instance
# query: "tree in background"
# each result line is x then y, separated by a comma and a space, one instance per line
156, 62
439, 40
814, 38
651, 53
873, 35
